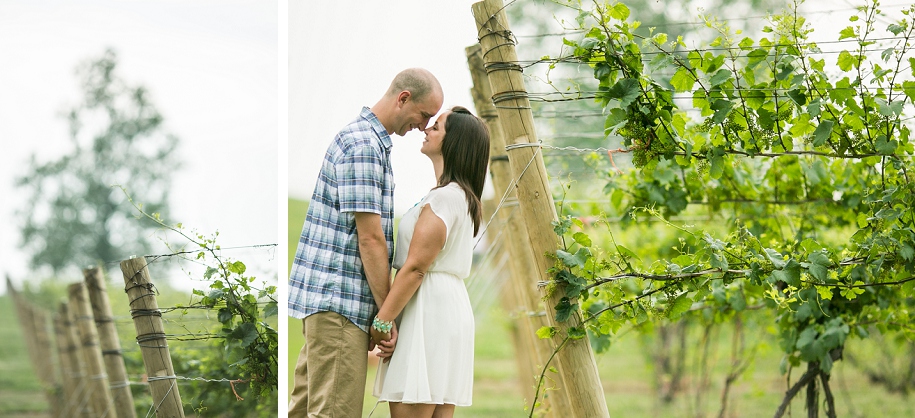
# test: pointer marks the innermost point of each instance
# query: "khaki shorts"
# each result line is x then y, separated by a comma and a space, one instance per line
330, 371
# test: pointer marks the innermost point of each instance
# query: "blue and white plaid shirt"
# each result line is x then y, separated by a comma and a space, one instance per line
356, 176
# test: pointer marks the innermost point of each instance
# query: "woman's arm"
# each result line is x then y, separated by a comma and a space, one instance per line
428, 239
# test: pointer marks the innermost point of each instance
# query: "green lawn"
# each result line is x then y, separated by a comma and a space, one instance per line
626, 375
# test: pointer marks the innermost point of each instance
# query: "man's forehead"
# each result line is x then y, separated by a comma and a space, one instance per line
429, 105
429, 109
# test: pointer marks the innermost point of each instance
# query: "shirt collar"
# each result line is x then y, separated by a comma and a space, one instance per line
377, 126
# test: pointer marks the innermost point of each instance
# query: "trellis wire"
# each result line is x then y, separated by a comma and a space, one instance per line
546, 97
479, 291
157, 257
703, 23
508, 192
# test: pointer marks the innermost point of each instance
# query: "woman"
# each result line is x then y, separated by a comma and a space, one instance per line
431, 370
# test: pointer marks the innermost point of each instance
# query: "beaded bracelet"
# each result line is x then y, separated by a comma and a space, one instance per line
382, 326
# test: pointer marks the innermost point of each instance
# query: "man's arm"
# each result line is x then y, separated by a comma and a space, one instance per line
373, 249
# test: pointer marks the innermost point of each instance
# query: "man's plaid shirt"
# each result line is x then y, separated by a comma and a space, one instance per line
356, 176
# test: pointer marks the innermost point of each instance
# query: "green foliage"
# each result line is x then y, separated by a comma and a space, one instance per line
247, 343
217, 397
73, 217
780, 147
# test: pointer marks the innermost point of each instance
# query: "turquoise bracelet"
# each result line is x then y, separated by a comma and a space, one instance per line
382, 326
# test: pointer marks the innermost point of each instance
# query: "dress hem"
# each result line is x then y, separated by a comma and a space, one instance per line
425, 402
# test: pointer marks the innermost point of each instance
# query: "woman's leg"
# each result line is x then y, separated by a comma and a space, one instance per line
411, 410
443, 411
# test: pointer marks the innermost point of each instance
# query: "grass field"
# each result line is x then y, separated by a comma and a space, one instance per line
626, 375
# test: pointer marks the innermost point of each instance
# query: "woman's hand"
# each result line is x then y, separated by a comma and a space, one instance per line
386, 344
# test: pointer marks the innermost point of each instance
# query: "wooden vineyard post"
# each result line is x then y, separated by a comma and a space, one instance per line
110, 345
147, 320
46, 366
518, 329
64, 365
34, 324
96, 378
25, 319
74, 375
26, 323
522, 267
579, 370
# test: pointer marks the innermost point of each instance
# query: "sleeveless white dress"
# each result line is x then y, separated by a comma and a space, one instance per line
433, 360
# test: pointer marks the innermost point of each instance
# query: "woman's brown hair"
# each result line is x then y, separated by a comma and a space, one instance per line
465, 155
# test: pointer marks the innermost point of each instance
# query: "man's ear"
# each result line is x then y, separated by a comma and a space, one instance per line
403, 97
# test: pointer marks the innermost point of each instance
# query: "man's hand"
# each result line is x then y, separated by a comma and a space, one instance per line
371, 343
386, 342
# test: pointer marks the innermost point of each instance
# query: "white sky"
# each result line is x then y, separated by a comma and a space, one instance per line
343, 55
212, 70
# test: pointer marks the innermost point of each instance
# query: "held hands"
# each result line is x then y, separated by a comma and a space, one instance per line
385, 338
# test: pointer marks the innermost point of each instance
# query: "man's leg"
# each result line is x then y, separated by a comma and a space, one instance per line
298, 399
330, 379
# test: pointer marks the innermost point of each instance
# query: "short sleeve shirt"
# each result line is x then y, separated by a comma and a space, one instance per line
356, 176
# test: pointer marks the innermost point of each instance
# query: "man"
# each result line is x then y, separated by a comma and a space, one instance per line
341, 272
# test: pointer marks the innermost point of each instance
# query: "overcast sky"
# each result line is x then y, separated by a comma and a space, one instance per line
211, 69
343, 55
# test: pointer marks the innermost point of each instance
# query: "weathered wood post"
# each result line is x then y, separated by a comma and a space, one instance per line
110, 345
26, 323
524, 350
46, 366
97, 379
34, 324
522, 268
64, 365
579, 370
147, 319
74, 380
508, 296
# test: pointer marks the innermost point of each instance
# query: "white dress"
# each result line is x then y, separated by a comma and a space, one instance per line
433, 360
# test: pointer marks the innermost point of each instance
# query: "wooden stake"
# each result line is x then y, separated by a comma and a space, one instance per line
27, 323
33, 322
147, 320
111, 346
46, 366
524, 350
63, 366
522, 267
74, 378
96, 379
579, 370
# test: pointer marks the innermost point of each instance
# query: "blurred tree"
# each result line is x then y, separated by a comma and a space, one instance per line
74, 216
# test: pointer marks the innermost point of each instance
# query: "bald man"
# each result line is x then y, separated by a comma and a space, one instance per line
342, 268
